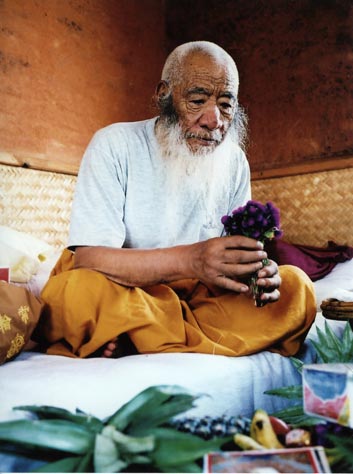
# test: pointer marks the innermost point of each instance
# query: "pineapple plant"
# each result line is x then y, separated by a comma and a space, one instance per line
338, 440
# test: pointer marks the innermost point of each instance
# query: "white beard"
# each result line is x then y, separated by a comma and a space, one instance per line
202, 176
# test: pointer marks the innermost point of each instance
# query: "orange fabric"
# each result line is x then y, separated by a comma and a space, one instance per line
84, 310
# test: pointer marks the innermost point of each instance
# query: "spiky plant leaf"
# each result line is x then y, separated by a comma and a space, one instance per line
347, 343
328, 347
298, 364
70, 464
340, 456
187, 467
59, 435
167, 410
45, 412
106, 456
296, 417
148, 403
174, 448
290, 392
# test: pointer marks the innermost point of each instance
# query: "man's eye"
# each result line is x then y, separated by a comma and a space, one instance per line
197, 101
226, 105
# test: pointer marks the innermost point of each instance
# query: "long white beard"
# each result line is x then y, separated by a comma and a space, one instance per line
203, 176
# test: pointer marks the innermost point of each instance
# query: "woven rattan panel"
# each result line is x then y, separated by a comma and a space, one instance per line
314, 207
37, 202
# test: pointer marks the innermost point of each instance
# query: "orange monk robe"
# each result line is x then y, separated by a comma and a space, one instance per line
84, 310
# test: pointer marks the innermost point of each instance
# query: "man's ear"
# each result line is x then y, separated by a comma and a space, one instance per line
162, 89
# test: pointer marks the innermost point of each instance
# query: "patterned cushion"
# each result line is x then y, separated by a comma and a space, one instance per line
19, 314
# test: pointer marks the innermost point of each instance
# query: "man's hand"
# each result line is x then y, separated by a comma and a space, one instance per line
228, 262
270, 280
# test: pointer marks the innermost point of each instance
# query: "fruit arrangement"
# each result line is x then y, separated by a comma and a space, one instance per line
150, 434
264, 431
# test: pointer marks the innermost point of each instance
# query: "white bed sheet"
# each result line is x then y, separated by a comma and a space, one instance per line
99, 386
231, 385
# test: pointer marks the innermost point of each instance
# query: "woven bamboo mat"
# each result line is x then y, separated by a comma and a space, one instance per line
314, 207
36, 202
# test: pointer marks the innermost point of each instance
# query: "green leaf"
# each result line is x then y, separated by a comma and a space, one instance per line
107, 456
341, 455
329, 347
332, 340
298, 364
69, 464
187, 467
290, 392
60, 435
174, 406
296, 417
347, 343
48, 412
176, 448
147, 401
129, 444
86, 462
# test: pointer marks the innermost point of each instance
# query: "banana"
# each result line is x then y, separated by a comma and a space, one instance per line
262, 432
246, 442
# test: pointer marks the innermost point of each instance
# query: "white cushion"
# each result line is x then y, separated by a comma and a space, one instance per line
22, 253
337, 284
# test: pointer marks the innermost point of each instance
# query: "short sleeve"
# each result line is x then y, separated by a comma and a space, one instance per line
97, 216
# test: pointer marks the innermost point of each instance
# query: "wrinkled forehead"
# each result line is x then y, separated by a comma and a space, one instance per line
219, 67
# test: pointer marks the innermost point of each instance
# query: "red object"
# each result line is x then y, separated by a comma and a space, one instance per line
279, 426
5, 274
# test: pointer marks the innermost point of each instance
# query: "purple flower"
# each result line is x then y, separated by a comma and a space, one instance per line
254, 220
257, 221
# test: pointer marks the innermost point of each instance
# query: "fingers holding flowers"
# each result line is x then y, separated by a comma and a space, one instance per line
268, 282
260, 222
229, 262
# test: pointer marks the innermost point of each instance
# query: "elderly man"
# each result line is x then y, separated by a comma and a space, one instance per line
146, 256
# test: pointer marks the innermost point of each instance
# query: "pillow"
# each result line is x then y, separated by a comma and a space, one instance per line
38, 281
22, 253
337, 284
19, 314
316, 262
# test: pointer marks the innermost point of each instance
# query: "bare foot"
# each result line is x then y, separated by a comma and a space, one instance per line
30, 345
110, 348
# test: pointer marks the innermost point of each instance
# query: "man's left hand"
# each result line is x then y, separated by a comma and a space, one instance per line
269, 281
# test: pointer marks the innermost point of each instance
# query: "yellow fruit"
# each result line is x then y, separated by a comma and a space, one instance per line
262, 432
246, 442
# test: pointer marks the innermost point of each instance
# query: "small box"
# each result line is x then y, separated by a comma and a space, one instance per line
328, 392
309, 459
5, 274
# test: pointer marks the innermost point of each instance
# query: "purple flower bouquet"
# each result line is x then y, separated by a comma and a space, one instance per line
257, 221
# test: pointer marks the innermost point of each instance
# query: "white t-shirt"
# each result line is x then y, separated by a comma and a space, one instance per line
123, 197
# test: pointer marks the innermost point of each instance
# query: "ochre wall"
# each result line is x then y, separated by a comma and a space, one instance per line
70, 67
295, 60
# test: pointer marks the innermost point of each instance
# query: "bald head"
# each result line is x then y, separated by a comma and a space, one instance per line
173, 70
198, 91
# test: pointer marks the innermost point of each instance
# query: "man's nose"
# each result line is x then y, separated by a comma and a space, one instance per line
211, 117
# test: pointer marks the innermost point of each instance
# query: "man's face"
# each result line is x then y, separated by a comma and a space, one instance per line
205, 101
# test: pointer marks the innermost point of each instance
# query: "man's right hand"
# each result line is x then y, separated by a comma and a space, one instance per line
228, 261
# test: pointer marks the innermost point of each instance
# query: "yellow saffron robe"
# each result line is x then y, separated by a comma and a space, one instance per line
84, 310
